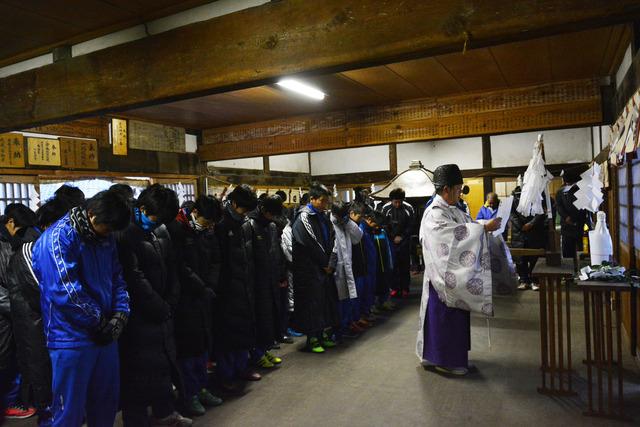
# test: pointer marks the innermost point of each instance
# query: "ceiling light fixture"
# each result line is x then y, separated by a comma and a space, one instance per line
301, 88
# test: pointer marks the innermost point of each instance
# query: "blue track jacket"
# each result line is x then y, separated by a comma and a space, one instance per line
80, 282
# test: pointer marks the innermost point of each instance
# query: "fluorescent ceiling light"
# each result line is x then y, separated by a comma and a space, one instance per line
301, 88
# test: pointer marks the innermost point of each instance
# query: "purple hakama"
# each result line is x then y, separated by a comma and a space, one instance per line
447, 334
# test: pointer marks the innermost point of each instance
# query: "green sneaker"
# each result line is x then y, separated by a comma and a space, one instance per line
314, 346
389, 306
327, 342
194, 407
264, 362
207, 399
272, 358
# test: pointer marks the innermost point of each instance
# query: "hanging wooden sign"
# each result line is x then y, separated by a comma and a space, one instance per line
79, 153
119, 137
11, 150
154, 137
43, 152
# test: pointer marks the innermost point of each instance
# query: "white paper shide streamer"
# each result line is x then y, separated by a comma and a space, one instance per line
589, 195
534, 183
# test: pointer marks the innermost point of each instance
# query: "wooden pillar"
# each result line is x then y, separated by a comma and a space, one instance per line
265, 165
393, 159
487, 181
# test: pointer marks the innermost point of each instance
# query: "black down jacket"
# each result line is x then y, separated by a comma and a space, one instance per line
8, 245
198, 263
32, 355
270, 271
147, 346
234, 317
315, 293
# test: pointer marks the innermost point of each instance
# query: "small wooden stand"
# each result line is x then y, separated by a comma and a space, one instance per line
599, 331
554, 328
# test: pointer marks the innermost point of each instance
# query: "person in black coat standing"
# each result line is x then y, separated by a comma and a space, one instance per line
147, 346
270, 274
16, 227
234, 313
315, 296
400, 217
26, 314
572, 219
528, 232
196, 245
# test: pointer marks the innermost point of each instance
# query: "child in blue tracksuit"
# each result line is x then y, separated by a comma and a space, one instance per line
85, 307
368, 243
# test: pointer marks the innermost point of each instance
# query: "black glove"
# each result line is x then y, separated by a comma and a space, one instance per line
110, 331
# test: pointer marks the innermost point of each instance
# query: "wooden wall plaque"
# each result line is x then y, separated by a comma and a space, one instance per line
119, 136
43, 151
79, 153
155, 137
11, 150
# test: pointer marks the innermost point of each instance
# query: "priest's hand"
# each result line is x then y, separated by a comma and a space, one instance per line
493, 225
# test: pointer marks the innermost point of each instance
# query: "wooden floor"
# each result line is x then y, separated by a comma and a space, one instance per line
376, 380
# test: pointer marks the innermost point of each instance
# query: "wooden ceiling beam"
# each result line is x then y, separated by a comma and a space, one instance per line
556, 105
256, 46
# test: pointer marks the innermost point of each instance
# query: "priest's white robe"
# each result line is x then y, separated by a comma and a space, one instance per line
463, 263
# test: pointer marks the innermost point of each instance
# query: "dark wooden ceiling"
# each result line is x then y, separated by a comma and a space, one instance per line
585, 54
32, 27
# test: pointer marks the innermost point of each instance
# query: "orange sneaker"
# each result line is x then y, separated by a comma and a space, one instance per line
363, 323
19, 412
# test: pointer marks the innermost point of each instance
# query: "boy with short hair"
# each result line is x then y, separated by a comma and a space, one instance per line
313, 266
85, 306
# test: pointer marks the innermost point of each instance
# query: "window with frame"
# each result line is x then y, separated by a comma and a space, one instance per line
188, 190
623, 201
16, 192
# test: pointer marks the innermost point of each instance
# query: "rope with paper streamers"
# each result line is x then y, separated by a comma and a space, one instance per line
534, 182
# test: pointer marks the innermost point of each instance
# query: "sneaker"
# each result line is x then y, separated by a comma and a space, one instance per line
173, 420
453, 371
364, 323
19, 412
535, 287
370, 318
314, 346
523, 286
356, 328
211, 367
388, 306
209, 400
272, 358
287, 340
394, 293
327, 342
264, 362
251, 376
293, 333
194, 407
375, 310
405, 293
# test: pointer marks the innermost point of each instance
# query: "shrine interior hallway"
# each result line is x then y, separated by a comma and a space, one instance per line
376, 380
